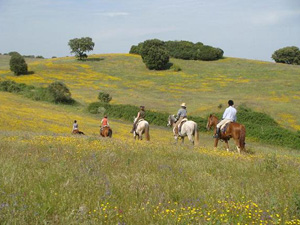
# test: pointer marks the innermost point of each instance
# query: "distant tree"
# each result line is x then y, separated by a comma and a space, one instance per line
104, 97
17, 64
154, 54
59, 92
136, 49
79, 46
39, 57
13, 53
288, 55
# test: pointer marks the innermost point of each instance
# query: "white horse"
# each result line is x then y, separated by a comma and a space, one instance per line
142, 127
189, 128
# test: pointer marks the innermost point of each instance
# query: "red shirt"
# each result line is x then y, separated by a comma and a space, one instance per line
104, 122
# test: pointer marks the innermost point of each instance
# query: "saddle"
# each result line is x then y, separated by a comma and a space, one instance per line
224, 127
180, 125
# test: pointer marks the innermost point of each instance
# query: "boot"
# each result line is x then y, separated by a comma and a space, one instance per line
217, 135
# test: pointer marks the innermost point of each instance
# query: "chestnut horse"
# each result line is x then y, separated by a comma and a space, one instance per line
234, 130
106, 132
77, 132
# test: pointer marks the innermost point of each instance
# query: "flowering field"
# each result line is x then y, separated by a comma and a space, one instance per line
50, 176
266, 87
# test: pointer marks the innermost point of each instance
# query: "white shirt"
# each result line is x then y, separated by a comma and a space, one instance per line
230, 114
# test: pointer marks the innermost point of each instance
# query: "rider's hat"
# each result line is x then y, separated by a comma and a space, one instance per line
183, 104
105, 116
142, 107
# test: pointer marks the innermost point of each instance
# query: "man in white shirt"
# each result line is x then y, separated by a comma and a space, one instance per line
228, 116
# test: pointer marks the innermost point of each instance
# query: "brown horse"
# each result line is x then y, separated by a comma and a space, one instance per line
77, 132
106, 132
234, 130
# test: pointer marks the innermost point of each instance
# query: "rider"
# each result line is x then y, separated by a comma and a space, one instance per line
228, 116
104, 122
75, 127
141, 115
181, 114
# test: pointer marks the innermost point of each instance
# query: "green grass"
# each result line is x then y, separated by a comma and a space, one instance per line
265, 87
109, 181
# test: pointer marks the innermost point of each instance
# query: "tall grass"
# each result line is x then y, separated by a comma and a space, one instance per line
69, 180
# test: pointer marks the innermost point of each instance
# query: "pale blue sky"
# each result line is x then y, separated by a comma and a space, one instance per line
242, 28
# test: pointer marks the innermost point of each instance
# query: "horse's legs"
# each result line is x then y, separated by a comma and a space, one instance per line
227, 145
216, 143
237, 143
191, 138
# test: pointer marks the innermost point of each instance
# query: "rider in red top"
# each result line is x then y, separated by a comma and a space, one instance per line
104, 122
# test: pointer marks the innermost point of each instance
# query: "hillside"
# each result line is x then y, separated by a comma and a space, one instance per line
266, 87
50, 176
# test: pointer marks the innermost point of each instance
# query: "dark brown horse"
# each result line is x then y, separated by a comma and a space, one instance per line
106, 132
234, 130
77, 132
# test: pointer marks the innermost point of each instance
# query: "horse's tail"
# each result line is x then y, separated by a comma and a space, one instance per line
109, 132
147, 132
242, 137
196, 134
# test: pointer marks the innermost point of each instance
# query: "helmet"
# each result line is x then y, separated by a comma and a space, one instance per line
142, 107
183, 104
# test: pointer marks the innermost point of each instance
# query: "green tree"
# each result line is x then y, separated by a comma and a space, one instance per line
17, 64
104, 97
155, 54
59, 92
79, 46
288, 55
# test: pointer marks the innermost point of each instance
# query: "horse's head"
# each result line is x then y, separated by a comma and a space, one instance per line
211, 121
171, 120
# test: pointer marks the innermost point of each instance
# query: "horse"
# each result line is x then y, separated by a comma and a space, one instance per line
189, 128
142, 127
77, 132
106, 132
234, 130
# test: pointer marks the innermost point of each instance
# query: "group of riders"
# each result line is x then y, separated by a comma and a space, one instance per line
229, 115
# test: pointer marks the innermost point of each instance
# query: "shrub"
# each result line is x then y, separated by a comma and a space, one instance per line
155, 54
176, 68
9, 86
18, 64
288, 55
59, 93
136, 49
104, 97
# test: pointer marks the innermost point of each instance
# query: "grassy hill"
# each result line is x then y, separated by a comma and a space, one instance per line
263, 86
50, 176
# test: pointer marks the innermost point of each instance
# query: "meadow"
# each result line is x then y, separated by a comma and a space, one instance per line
48, 176
263, 86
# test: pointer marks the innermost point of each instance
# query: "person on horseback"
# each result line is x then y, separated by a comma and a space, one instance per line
104, 122
229, 115
75, 129
141, 115
181, 114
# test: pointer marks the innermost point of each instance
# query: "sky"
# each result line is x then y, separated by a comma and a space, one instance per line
241, 28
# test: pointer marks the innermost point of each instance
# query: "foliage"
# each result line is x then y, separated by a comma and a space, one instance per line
17, 64
155, 54
59, 93
80, 46
288, 55
56, 92
185, 50
104, 97
175, 68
